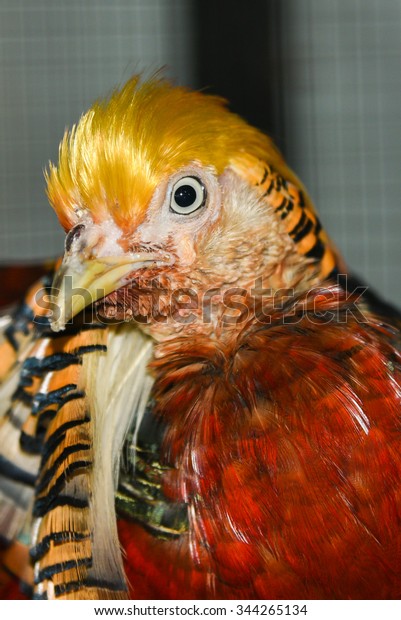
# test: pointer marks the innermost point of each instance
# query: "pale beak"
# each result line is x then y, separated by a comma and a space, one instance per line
81, 281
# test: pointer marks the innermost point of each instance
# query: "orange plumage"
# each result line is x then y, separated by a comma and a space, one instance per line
219, 402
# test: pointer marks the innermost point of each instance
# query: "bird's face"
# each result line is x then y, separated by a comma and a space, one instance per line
164, 228
202, 242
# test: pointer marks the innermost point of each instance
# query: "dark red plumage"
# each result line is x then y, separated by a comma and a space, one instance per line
285, 445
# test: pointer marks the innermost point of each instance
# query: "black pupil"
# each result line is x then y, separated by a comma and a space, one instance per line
185, 196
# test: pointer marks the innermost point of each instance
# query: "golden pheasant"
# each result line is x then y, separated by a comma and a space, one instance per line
197, 407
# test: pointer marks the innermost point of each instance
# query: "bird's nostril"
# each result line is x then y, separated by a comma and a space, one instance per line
72, 235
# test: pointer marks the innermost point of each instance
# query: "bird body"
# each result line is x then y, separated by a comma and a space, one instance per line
199, 387
256, 445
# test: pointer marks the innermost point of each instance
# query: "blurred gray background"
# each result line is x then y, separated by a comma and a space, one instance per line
323, 77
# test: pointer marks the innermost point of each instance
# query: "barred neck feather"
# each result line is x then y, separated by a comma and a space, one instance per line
18, 467
75, 539
67, 402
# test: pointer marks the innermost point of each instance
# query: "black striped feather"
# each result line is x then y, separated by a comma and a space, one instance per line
61, 435
19, 339
297, 214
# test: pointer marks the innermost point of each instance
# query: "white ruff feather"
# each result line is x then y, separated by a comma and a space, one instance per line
118, 386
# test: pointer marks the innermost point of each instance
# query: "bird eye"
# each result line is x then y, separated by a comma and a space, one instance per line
188, 195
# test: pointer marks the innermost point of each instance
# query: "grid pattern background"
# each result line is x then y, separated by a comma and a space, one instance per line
55, 59
339, 100
341, 64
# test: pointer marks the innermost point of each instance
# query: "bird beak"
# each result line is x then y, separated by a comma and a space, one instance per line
83, 278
